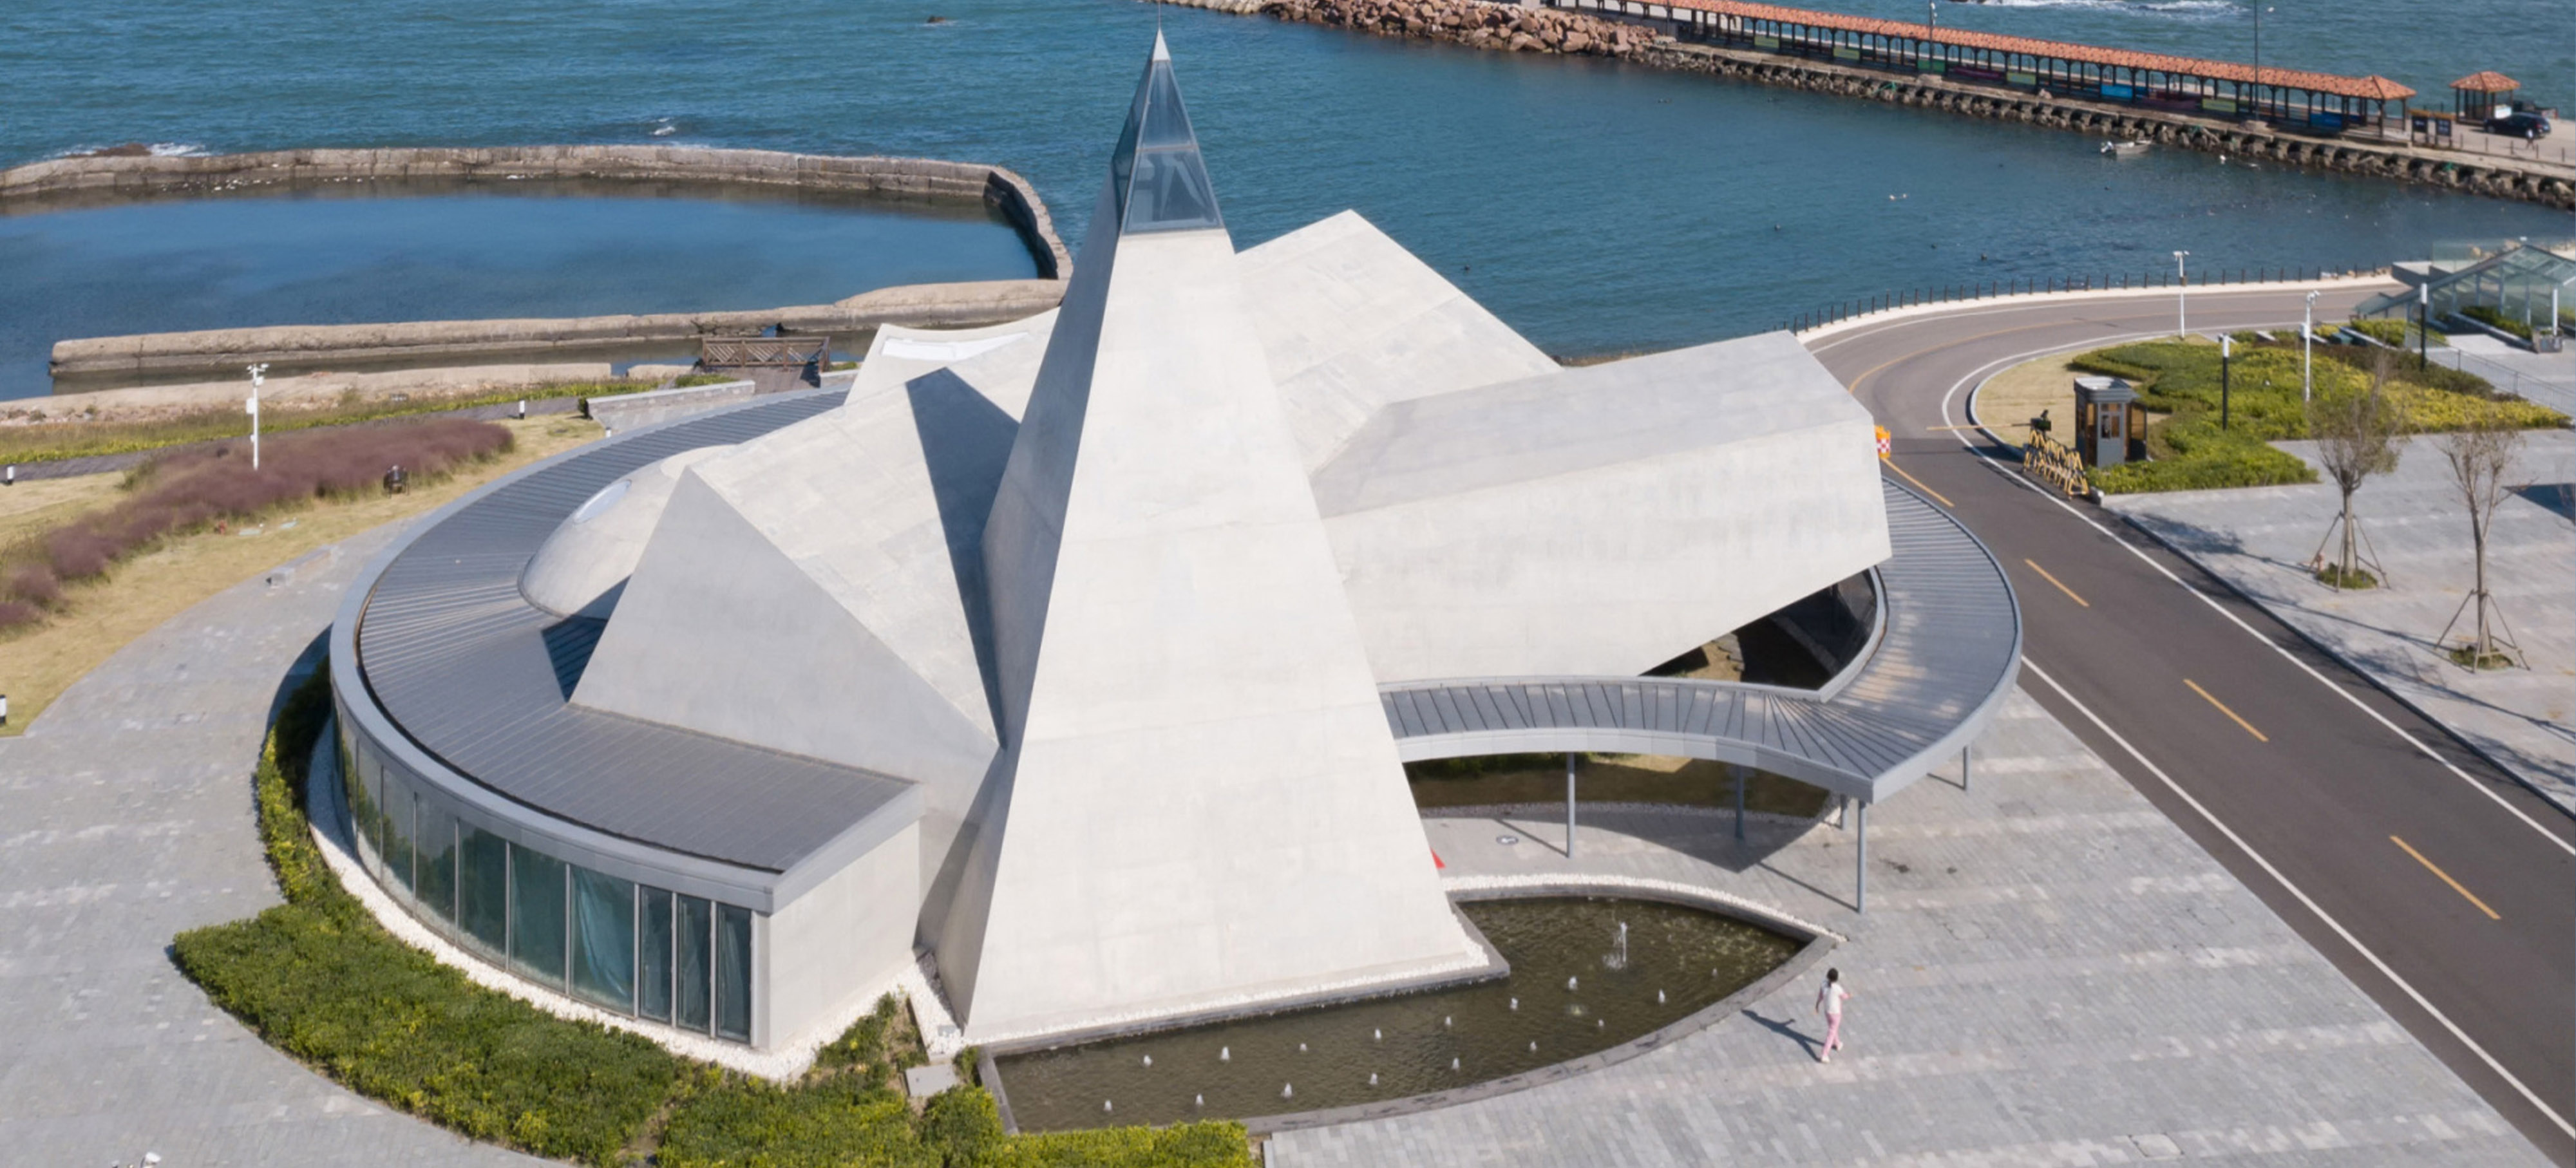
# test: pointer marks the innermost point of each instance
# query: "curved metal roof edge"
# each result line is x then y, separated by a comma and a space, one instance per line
1820, 771
758, 888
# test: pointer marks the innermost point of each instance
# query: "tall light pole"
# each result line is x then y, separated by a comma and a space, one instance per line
258, 374
2259, 10
2181, 329
2308, 350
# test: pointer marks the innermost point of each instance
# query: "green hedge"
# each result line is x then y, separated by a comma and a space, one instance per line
319, 978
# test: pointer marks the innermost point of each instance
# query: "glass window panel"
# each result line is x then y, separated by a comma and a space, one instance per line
1170, 193
603, 939
537, 915
653, 977
689, 1007
437, 862
483, 890
362, 810
733, 973
400, 812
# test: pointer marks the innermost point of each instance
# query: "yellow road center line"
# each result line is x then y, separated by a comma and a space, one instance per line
2446, 878
1918, 484
2222, 708
2070, 593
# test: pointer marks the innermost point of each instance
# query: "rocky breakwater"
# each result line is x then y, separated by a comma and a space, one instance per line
1513, 28
1506, 28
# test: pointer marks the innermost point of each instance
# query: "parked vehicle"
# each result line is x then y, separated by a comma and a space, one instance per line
2526, 124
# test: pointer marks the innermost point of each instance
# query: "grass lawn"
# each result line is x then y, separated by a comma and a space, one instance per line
1604, 778
2183, 380
2010, 399
98, 617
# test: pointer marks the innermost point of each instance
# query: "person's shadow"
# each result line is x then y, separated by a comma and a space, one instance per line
1789, 1030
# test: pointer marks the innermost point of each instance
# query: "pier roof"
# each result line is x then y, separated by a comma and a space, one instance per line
2486, 81
2373, 87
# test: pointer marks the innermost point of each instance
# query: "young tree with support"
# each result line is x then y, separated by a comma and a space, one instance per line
2482, 457
2358, 435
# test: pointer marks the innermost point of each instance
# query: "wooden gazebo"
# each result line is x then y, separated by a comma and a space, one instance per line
2476, 96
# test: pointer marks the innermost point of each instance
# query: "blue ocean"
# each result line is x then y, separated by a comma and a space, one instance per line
1595, 206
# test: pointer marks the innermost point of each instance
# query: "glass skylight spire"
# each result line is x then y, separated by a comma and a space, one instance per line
1162, 183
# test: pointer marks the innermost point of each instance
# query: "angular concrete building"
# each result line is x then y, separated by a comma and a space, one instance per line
1062, 651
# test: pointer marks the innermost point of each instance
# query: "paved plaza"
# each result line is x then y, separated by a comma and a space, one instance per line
125, 818
2260, 539
2546, 378
2050, 973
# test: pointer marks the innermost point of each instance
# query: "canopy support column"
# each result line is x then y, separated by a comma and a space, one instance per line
1569, 805
1860, 864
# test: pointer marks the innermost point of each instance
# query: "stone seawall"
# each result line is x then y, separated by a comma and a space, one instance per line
66, 181
1515, 28
849, 322
91, 178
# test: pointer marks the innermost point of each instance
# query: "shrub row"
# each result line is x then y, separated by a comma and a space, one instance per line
55, 441
189, 489
319, 978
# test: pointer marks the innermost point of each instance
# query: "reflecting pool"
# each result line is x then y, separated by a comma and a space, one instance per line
1588, 974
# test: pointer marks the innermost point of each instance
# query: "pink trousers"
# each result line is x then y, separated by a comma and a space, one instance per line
1833, 1033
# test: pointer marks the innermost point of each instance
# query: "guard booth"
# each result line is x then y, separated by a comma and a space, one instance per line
2110, 422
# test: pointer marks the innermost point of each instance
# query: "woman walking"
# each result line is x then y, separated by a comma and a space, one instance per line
1830, 1000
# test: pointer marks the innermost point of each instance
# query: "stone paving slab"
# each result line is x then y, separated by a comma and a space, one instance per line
2050, 973
2259, 541
125, 818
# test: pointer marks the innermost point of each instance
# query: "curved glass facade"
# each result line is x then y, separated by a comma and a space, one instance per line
617, 944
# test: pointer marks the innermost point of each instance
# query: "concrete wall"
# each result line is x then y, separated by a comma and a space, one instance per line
819, 954
629, 410
217, 351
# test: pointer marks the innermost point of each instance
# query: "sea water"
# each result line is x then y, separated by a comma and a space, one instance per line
1597, 207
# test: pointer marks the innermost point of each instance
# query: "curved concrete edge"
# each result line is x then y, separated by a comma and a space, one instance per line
1822, 332
1818, 942
148, 177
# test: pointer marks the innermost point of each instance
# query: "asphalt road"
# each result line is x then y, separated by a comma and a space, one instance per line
2432, 879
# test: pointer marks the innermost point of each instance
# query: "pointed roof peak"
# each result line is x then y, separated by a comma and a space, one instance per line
1160, 180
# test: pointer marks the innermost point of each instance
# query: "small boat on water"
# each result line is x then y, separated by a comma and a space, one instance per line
2125, 149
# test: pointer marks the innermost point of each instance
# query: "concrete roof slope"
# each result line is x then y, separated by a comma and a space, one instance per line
1600, 521
819, 590
1352, 321
899, 353
1569, 420
581, 567
1199, 804
475, 676
1944, 658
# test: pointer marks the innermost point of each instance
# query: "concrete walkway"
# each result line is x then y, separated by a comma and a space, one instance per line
2050, 973
2260, 539
125, 818
2548, 379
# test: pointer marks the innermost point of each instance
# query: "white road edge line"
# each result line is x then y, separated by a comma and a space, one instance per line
2294, 890
1991, 463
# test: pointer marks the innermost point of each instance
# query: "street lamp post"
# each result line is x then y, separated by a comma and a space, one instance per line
2181, 329
2259, 10
2307, 350
258, 375
2423, 324
2226, 351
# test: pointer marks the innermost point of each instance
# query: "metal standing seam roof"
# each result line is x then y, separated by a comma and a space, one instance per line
479, 678
1947, 652
2373, 87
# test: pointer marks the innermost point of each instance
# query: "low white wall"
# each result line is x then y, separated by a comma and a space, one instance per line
827, 954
